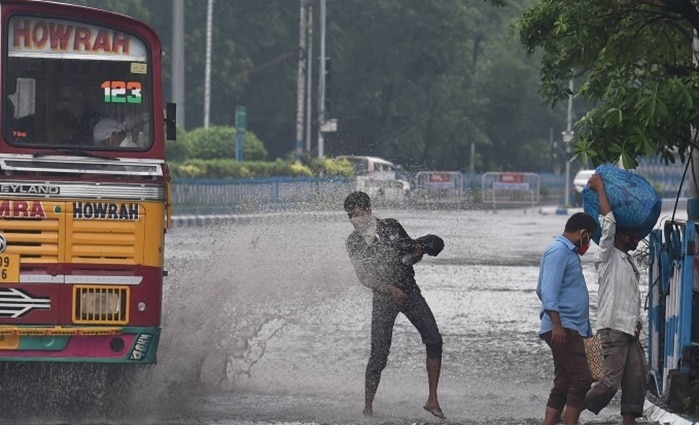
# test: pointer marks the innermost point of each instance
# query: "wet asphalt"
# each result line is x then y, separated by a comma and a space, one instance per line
265, 323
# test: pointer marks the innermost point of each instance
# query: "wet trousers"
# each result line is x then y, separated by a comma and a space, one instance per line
572, 377
625, 366
383, 316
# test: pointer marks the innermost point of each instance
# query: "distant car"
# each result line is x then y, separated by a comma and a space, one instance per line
579, 182
581, 179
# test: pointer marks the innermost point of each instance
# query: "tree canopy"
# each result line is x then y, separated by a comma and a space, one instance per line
632, 62
423, 84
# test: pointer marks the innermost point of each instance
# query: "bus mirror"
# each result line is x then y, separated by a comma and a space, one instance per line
170, 121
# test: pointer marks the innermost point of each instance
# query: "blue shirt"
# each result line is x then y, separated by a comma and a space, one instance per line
562, 288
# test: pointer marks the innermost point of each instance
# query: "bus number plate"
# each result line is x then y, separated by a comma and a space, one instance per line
9, 342
9, 268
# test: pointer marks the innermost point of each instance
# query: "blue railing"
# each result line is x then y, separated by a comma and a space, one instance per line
230, 196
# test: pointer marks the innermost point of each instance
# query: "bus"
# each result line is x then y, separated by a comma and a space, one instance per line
84, 190
378, 177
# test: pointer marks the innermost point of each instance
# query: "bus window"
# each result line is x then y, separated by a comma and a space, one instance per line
58, 88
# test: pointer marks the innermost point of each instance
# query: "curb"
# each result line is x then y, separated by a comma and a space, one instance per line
205, 220
657, 414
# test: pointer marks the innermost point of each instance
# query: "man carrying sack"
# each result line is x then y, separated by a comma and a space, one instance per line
619, 315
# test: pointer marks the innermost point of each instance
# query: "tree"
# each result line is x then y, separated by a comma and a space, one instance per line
632, 61
417, 82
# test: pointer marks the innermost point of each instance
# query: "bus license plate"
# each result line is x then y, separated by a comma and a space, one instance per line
9, 268
9, 342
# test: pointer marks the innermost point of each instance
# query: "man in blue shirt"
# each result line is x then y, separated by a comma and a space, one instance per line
565, 318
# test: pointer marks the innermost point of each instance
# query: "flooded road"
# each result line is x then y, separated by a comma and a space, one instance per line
266, 323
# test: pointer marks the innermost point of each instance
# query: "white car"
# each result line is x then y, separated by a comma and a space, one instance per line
581, 179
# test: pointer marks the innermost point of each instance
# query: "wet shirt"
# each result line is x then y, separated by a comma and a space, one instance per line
562, 288
618, 277
381, 259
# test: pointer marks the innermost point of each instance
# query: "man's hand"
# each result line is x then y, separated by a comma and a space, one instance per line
639, 326
558, 333
558, 336
595, 182
597, 185
397, 294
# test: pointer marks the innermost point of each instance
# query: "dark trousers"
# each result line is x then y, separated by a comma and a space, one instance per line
572, 374
625, 368
383, 317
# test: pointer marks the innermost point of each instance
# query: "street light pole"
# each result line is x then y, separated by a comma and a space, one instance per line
301, 79
321, 83
567, 138
309, 78
207, 76
178, 60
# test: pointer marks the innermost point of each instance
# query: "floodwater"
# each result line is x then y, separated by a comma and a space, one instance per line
266, 323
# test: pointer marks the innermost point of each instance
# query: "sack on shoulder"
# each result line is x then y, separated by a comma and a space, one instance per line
432, 244
595, 358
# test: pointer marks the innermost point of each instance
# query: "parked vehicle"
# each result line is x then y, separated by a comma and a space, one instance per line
378, 177
579, 182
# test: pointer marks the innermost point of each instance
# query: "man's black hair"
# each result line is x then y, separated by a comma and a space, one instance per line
357, 200
580, 221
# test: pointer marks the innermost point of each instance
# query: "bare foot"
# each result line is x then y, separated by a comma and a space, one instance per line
368, 411
435, 410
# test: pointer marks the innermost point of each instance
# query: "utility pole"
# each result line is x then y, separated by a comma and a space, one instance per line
301, 79
207, 76
309, 77
178, 95
567, 138
321, 82
693, 187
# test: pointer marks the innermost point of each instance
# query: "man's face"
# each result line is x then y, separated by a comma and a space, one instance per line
358, 212
630, 240
360, 218
115, 139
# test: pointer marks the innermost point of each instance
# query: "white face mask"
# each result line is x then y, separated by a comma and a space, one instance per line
361, 222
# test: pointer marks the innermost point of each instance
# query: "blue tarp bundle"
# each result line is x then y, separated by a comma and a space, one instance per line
634, 201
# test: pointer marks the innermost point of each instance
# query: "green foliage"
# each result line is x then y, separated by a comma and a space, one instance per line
417, 82
331, 167
230, 168
193, 155
632, 62
219, 142
180, 149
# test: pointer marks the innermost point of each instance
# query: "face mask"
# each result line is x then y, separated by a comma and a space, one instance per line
361, 222
582, 248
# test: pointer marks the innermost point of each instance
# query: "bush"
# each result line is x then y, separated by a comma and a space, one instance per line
229, 168
218, 142
331, 167
180, 149
210, 153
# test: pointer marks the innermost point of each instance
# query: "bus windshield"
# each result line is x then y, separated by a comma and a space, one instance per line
72, 85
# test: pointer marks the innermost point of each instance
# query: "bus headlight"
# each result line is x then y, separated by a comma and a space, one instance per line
99, 304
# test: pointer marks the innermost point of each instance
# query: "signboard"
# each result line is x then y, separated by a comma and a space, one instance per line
511, 177
510, 186
32, 36
439, 181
